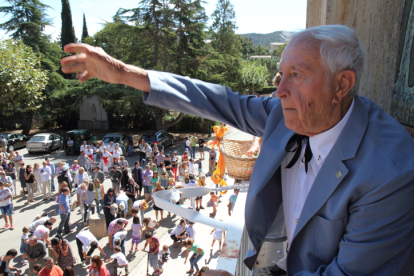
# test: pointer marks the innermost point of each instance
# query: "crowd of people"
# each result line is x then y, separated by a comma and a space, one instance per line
81, 185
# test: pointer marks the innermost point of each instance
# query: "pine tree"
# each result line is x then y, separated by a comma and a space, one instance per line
68, 32
27, 22
223, 29
84, 29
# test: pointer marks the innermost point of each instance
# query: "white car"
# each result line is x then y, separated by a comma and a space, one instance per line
45, 142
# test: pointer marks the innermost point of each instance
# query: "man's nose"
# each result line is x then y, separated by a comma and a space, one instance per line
282, 90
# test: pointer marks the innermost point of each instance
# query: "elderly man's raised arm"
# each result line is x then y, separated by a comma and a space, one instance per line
170, 91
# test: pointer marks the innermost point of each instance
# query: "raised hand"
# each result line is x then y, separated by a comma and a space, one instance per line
93, 62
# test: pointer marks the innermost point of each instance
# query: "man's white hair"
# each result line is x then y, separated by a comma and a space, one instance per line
340, 50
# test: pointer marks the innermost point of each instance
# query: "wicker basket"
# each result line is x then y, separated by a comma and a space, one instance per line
238, 167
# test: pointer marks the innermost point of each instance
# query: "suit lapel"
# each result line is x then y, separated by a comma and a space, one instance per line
273, 152
333, 170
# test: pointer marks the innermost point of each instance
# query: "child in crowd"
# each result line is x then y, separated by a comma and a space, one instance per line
213, 202
118, 261
79, 193
150, 223
218, 235
200, 166
164, 253
191, 231
36, 269
191, 167
25, 239
136, 228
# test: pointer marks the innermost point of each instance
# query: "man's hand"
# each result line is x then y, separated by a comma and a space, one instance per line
219, 272
255, 148
93, 62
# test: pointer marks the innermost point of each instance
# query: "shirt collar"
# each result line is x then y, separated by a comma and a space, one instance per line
322, 143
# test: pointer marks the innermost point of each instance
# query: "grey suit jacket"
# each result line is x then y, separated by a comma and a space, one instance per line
358, 218
100, 176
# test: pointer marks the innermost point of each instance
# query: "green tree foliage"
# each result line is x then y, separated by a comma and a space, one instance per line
85, 33
253, 77
247, 45
67, 34
277, 53
21, 79
223, 29
190, 19
262, 50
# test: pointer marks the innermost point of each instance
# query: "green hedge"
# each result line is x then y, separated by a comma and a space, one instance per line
267, 90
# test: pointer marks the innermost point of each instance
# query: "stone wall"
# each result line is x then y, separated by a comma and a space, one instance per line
92, 115
403, 99
377, 24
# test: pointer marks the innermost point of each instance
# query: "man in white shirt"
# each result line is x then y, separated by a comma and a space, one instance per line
46, 176
83, 147
87, 243
191, 167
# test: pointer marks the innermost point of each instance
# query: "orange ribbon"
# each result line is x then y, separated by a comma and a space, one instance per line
218, 174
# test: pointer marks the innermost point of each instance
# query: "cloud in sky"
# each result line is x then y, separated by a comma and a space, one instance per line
85, 4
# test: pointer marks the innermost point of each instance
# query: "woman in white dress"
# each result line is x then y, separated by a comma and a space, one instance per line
36, 170
106, 157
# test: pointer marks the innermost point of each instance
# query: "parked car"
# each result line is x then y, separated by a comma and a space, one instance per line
15, 140
119, 138
45, 142
78, 136
159, 138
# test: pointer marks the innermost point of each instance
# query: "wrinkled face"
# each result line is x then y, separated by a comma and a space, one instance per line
32, 243
306, 97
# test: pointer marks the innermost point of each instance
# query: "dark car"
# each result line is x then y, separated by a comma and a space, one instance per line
159, 138
15, 140
78, 136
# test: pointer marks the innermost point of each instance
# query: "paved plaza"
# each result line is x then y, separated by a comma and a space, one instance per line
24, 214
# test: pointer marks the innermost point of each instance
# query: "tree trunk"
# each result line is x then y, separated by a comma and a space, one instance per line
27, 125
160, 123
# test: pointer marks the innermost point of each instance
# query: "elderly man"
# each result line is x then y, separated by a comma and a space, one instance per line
3, 143
50, 269
35, 251
53, 171
340, 167
45, 177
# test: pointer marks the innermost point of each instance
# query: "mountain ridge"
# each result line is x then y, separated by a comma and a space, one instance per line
265, 39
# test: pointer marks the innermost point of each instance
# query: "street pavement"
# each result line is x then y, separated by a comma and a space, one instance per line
24, 214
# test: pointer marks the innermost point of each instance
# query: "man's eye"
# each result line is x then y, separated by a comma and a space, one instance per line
296, 74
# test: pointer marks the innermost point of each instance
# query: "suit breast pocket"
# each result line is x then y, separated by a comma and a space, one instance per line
327, 235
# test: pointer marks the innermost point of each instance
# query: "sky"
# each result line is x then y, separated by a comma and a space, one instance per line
258, 16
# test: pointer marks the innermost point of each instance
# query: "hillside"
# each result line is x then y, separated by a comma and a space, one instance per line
265, 39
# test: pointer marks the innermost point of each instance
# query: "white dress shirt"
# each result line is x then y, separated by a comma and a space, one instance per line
296, 184
46, 174
83, 148
110, 148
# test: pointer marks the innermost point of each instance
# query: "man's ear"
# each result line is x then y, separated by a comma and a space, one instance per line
343, 83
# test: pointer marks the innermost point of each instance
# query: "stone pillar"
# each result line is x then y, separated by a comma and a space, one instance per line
97, 226
377, 23
130, 203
